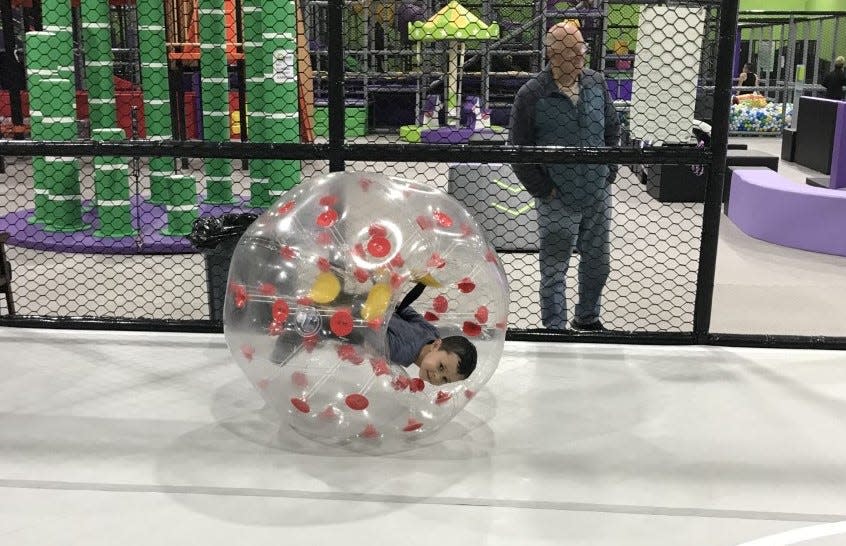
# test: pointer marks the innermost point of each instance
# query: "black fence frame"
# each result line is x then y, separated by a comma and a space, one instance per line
338, 152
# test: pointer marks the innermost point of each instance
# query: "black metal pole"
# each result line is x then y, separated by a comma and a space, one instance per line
9, 38
423, 153
241, 68
16, 77
335, 47
715, 182
118, 324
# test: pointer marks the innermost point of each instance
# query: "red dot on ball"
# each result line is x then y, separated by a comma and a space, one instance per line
287, 252
239, 294
248, 351
471, 329
424, 223
397, 261
412, 425
482, 314
361, 275
466, 285
378, 247
442, 397
328, 413
275, 329
280, 310
443, 219
377, 230
286, 208
435, 261
370, 432
396, 280
327, 218
357, 402
301, 405
341, 322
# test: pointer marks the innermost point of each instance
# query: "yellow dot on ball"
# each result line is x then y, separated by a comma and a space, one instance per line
326, 288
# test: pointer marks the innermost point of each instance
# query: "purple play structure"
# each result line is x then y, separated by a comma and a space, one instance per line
838, 154
767, 206
408, 12
148, 220
476, 122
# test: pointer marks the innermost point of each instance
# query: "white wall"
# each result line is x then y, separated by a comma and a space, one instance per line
666, 71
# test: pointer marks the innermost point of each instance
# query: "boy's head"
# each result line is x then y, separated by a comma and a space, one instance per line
447, 360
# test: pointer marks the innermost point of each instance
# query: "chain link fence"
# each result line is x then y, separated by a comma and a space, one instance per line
578, 133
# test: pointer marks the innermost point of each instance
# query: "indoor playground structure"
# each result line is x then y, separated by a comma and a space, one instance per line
120, 218
222, 69
454, 25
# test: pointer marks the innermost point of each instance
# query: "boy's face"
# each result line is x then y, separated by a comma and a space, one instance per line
439, 367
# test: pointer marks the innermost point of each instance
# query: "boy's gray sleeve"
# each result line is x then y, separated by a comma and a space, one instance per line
407, 332
522, 133
408, 314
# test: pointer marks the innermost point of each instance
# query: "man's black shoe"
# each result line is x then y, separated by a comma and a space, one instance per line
595, 326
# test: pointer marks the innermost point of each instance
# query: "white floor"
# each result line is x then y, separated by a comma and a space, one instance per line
127, 438
762, 288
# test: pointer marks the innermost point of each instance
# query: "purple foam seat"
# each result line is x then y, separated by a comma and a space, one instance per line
767, 206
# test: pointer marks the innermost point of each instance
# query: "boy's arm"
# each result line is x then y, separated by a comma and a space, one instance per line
412, 296
408, 314
407, 330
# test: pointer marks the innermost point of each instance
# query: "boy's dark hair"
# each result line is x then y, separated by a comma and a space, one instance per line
461, 347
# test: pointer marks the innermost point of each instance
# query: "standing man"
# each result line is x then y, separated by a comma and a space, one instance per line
568, 105
835, 80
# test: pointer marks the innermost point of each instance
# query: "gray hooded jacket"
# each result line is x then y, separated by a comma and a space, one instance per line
543, 116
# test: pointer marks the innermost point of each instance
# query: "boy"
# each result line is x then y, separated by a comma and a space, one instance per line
410, 340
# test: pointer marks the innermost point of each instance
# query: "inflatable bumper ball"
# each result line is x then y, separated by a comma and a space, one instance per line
312, 290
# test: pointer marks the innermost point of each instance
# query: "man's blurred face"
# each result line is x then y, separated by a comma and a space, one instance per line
566, 50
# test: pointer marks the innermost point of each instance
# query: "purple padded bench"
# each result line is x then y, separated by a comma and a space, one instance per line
767, 206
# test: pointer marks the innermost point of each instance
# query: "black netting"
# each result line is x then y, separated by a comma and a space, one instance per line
139, 118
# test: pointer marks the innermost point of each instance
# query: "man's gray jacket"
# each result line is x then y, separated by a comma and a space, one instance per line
543, 116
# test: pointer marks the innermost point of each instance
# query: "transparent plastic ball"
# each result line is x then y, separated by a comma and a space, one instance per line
311, 296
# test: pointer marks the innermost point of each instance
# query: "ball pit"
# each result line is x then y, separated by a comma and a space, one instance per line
759, 119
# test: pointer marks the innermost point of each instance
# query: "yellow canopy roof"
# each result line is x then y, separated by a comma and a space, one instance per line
452, 22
